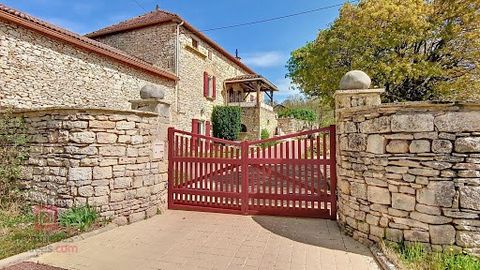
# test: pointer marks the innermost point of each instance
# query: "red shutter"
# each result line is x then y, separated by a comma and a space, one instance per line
214, 94
205, 84
208, 128
194, 126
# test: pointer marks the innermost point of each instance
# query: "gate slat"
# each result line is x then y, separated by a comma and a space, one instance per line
289, 175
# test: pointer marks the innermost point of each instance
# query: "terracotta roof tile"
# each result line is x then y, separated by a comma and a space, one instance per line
244, 77
18, 17
151, 18
252, 77
159, 17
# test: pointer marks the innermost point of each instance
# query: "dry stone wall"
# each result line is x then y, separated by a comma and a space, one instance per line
113, 160
155, 44
289, 125
37, 71
409, 172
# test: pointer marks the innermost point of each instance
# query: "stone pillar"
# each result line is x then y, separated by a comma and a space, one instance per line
355, 91
152, 101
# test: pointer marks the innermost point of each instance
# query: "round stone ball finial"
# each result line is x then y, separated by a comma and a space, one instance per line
151, 91
355, 79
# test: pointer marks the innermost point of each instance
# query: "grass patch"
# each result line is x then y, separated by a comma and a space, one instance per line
18, 233
417, 257
81, 218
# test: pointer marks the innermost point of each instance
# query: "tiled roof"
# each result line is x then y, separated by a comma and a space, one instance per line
159, 17
30, 22
252, 77
151, 18
244, 77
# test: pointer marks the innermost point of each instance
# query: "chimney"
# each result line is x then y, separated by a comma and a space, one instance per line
236, 55
157, 7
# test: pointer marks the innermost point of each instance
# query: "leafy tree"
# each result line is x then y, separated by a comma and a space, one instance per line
226, 121
415, 49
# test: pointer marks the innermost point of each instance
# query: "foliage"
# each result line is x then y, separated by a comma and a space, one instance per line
415, 256
13, 152
18, 234
413, 252
415, 49
298, 113
81, 218
226, 121
264, 134
323, 114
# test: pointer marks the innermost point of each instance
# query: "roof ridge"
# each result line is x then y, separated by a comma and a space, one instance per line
124, 25
149, 19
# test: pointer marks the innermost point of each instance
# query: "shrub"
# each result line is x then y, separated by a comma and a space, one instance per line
264, 134
299, 113
81, 218
13, 152
226, 121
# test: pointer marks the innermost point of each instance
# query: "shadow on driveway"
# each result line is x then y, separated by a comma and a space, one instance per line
312, 231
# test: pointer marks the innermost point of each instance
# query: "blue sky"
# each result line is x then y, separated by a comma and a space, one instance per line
265, 47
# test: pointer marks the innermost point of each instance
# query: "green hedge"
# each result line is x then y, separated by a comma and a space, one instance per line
226, 121
298, 113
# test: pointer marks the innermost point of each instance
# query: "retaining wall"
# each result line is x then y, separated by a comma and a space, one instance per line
113, 160
409, 171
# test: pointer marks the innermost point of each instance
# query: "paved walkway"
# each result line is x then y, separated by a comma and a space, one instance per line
195, 240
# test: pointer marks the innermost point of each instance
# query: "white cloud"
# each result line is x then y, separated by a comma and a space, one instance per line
265, 59
285, 89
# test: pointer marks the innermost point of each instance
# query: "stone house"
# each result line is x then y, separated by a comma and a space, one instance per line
42, 65
208, 74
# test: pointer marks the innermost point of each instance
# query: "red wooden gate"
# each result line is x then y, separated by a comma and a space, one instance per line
292, 175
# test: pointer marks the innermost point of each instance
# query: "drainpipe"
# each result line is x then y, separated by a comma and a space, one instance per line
177, 57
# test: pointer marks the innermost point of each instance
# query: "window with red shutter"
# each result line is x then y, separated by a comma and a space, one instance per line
214, 87
209, 86
205, 84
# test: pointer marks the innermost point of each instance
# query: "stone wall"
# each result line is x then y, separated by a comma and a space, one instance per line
38, 71
113, 160
251, 120
268, 119
155, 44
190, 103
192, 64
408, 171
289, 125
